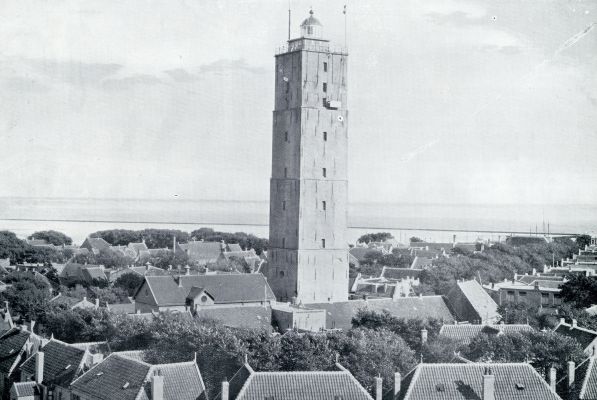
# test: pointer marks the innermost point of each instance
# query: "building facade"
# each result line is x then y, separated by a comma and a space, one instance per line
308, 256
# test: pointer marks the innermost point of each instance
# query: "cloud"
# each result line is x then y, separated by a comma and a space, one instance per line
230, 65
78, 73
20, 84
131, 81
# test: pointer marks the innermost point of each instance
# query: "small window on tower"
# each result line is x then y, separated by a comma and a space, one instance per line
323, 205
310, 30
325, 87
325, 67
284, 205
325, 136
323, 243
324, 172
286, 136
287, 86
285, 172
283, 243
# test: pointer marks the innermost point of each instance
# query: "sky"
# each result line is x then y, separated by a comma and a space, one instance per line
450, 101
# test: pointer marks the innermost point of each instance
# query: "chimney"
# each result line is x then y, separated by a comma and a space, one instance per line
397, 382
574, 323
534, 271
187, 270
488, 385
423, 336
225, 390
552, 379
96, 304
39, 367
157, 386
571, 367
179, 281
293, 300
562, 320
31, 325
454, 239
378, 388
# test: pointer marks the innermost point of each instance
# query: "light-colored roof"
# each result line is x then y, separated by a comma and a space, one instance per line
464, 333
517, 381
26, 389
588, 389
481, 302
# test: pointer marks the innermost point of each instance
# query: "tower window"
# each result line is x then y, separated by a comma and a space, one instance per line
324, 172
325, 67
283, 242
323, 243
325, 136
323, 205
286, 136
287, 86
284, 205
285, 172
325, 87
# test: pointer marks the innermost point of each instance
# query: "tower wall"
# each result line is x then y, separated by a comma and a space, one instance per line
308, 256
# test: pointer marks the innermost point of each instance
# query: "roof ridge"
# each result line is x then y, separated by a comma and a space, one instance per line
585, 381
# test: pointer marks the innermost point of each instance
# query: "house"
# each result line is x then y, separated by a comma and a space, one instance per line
95, 245
339, 314
127, 378
586, 337
203, 253
362, 254
464, 333
471, 303
209, 296
126, 307
82, 273
392, 282
53, 368
248, 259
141, 271
71, 303
4, 265
288, 316
482, 381
248, 384
421, 262
6, 321
537, 291
16, 346
579, 381
233, 247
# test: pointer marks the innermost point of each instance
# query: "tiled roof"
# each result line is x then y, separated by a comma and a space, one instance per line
26, 389
4, 262
97, 243
66, 300
138, 247
296, 385
61, 362
529, 279
431, 246
204, 252
239, 317
231, 288
12, 345
421, 262
94, 273
582, 335
138, 355
234, 247
120, 377
517, 381
588, 389
123, 308
339, 315
360, 252
463, 333
478, 301
399, 273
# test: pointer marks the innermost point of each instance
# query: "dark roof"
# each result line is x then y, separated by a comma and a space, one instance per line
96, 243
61, 362
296, 385
400, 273
588, 389
234, 247
582, 335
182, 381
239, 317
202, 251
12, 345
479, 300
92, 273
339, 315
432, 246
517, 381
463, 333
231, 288
528, 279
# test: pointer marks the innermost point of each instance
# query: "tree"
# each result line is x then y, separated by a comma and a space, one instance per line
375, 237
129, 282
12, 247
52, 237
580, 290
416, 239
245, 240
28, 296
583, 240
165, 258
80, 325
521, 313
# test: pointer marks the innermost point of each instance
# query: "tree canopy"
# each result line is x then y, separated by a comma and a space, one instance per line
375, 237
580, 289
52, 237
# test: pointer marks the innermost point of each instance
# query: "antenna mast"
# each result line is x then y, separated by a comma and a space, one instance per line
345, 35
288, 19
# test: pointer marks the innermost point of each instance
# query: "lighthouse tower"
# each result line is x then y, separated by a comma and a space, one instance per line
308, 253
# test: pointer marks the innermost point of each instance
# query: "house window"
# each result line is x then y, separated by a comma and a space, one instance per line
557, 300
323, 243
323, 205
286, 136
325, 87
325, 136
325, 67
203, 299
522, 294
510, 295
544, 299
324, 172
284, 205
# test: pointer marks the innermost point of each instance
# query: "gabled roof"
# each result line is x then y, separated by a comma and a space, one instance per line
421, 262
360, 252
234, 247
296, 385
123, 378
517, 381
481, 302
582, 335
96, 243
202, 251
231, 288
13, 346
339, 315
588, 389
138, 247
26, 389
464, 333
94, 272
62, 362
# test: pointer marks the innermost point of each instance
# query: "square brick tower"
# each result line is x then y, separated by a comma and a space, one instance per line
308, 253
